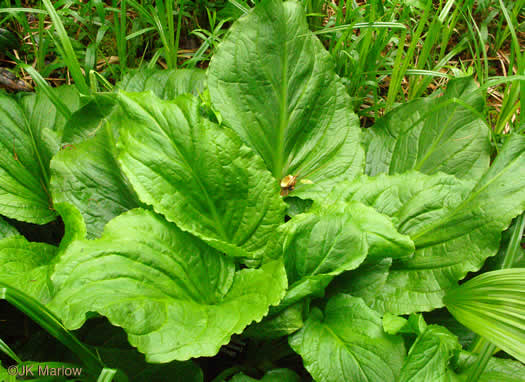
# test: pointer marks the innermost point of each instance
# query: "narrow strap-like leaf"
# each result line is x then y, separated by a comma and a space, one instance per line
49, 322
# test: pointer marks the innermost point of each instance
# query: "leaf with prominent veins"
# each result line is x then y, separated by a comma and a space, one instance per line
198, 175
88, 176
30, 133
27, 266
455, 226
347, 342
429, 356
275, 85
165, 84
331, 239
433, 134
175, 296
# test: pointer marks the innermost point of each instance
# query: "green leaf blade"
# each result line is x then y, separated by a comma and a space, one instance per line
275, 84
176, 297
88, 176
497, 198
199, 176
165, 84
428, 359
497, 369
30, 133
331, 239
279, 325
443, 133
353, 332
413, 201
27, 266
455, 226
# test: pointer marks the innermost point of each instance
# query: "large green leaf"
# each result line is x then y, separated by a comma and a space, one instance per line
86, 172
30, 133
414, 201
347, 343
331, 239
165, 84
433, 134
44, 119
428, 358
6, 229
493, 305
454, 227
274, 83
26, 266
88, 176
377, 230
496, 199
175, 296
199, 175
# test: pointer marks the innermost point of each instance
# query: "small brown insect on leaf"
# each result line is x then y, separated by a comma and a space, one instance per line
94, 200
288, 184
68, 147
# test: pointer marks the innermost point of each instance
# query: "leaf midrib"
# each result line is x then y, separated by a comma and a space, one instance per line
284, 116
43, 170
463, 204
27, 126
211, 205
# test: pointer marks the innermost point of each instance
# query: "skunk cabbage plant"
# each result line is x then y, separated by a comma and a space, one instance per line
246, 205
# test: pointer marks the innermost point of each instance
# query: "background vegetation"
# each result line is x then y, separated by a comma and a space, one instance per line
387, 52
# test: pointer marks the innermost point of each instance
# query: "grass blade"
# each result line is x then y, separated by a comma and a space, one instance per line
67, 48
107, 375
49, 322
370, 25
48, 90
239, 6
26, 10
4, 348
179, 27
